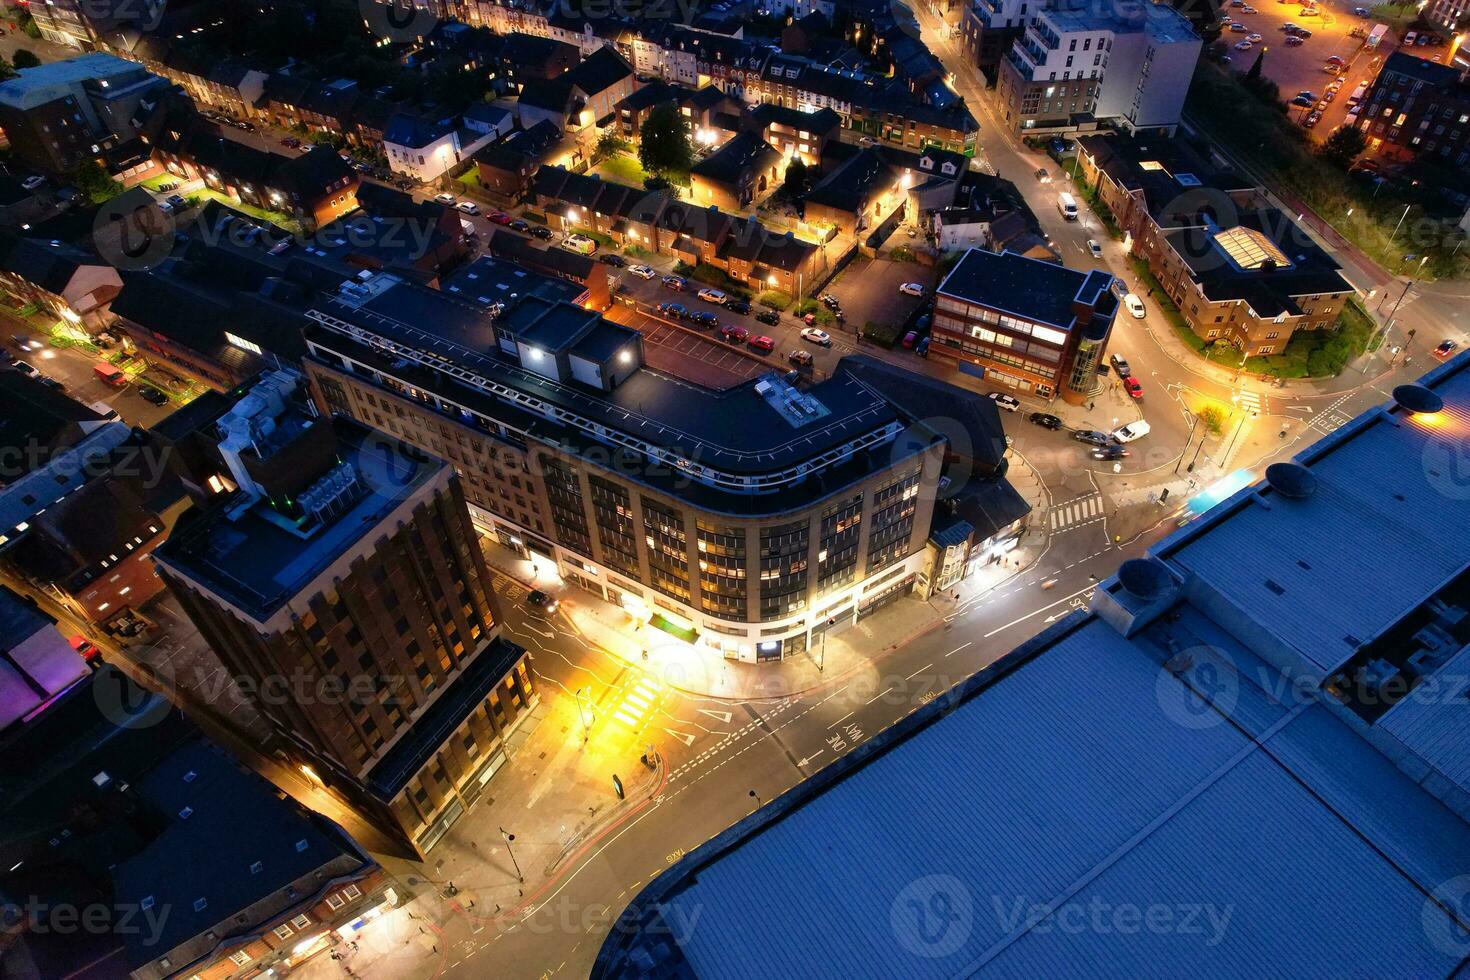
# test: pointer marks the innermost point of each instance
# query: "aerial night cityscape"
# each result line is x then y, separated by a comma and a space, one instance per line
725, 489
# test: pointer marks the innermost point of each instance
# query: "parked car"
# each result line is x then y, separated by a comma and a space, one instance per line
1008, 403
676, 310
812, 335
1092, 437
27, 370
1238, 28
831, 302
448, 200
737, 306
500, 218
922, 347
1120, 365
801, 358
734, 333
542, 232
1113, 452
1044, 420
1242, 45
1362, 12
676, 283
910, 339
769, 317
911, 289
520, 225
1292, 41
613, 259
1134, 306
1094, 248
1255, 38
1302, 101
1445, 349
762, 343
468, 207
642, 271
1133, 387
707, 320
1131, 431
151, 395
711, 295
33, 182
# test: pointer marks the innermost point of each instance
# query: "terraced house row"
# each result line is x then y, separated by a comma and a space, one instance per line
742, 247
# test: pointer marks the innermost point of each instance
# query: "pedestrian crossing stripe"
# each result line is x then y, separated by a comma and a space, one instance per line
1082, 509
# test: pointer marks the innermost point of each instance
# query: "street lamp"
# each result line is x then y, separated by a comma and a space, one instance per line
516, 864
586, 712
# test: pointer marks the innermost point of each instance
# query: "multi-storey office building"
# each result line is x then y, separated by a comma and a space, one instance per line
336, 575
1075, 66
753, 518
1028, 324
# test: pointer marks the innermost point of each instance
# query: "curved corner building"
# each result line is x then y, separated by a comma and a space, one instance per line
751, 519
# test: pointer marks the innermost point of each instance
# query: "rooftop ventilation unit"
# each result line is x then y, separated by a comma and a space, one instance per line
1291, 480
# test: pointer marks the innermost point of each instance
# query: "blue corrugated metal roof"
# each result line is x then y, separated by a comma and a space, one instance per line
1383, 529
1071, 785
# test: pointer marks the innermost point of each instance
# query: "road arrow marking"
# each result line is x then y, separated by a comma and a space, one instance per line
809, 758
684, 737
723, 717
1053, 619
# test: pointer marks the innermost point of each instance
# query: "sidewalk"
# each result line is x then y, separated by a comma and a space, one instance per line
699, 671
555, 795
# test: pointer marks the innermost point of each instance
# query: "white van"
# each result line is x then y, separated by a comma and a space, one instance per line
1131, 431
1067, 204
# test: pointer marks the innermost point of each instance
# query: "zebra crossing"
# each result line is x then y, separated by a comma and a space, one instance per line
1255, 403
1088, 509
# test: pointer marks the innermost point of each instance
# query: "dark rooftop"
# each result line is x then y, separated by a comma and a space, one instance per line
428, 732
1263, 258
733, 431
745, 152
1030, 288
256, 563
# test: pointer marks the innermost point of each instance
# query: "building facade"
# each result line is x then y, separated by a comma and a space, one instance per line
753, 519
1028, 324
1240, 272
1417, 108
1072, 68
339, 565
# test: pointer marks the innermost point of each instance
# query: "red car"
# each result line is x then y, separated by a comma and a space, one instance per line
911, 338
763, 344
500, 218
1445, 349
734, 334
1134, 388
88, 651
